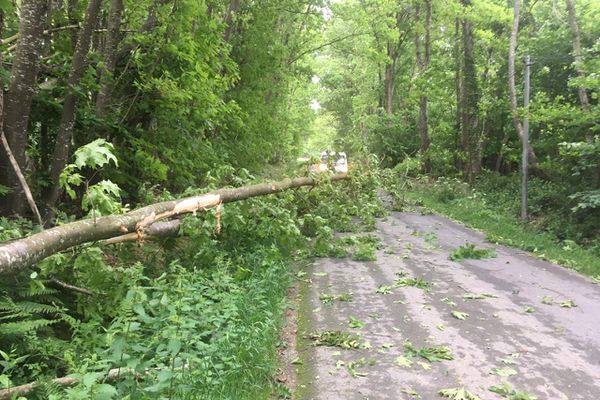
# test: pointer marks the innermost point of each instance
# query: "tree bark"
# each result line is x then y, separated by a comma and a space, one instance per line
67, 121
422, 65
113, 36
21, 253
533, 160
21, 89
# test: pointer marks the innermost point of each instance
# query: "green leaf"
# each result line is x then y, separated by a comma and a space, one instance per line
460, 315
458, 394
504, 371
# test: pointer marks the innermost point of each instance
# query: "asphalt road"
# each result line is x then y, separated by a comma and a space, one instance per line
510, 335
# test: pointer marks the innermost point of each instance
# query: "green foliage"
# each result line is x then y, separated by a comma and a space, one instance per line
458, 394
431, 354
414, 282
365, 252
507, 392
469, 251
174, 314
102, 198
340, 339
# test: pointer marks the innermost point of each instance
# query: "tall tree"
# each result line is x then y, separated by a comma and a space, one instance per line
65, 131
422, 61
576, 39
393, 51
21, 89
234, 5
533, 160
113, 36
469, 98
15, 165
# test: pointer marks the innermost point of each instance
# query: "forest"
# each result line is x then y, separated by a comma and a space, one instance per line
112, 112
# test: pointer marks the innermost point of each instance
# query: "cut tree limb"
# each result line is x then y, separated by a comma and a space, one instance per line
22, 253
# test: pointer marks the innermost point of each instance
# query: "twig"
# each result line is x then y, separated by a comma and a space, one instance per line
72, 287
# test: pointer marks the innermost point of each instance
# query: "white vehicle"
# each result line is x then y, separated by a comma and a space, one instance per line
331, 160
341, 163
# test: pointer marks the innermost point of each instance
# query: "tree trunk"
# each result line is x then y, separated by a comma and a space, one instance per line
21, 89
457, 89
583, 96
72, 17
234, 5
21, 253
110, 55
422, 65
390, 69
67, 121
388, 98
533, 160
469, 98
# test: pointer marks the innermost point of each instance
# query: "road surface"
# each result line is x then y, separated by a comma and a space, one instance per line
517, 333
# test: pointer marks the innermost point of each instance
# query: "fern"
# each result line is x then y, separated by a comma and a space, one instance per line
29, 307
23, 327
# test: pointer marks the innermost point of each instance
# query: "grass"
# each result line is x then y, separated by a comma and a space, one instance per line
505, 228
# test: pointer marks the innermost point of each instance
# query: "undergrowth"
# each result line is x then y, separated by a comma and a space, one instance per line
195, 317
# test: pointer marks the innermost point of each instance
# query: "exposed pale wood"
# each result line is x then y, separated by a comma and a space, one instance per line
21, 253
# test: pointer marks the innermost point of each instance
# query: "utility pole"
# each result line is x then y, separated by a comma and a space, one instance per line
525, 154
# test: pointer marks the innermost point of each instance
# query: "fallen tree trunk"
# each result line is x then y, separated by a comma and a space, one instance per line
22, 253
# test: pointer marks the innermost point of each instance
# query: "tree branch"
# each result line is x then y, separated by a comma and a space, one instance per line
21, 253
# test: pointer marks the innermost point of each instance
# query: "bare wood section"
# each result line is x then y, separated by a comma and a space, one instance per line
22, 253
